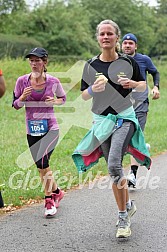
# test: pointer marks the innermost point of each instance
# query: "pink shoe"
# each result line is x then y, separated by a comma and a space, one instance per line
50, 208
57, 197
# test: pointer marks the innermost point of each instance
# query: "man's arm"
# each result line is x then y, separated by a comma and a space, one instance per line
151, 68
156, 79
2, 84
155, 91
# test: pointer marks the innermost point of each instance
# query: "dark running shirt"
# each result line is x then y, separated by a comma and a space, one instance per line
114, 99
146, 67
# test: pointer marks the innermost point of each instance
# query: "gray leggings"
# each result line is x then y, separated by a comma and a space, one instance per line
114, 149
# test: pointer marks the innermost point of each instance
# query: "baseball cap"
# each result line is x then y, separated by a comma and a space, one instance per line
38, 51
129, 36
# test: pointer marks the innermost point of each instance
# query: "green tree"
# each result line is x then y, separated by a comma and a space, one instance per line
8, 10
10, 6
131, 16
63, 29
160, 35
161, 7
67, 27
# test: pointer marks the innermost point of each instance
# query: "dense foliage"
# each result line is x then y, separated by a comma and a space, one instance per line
67, 27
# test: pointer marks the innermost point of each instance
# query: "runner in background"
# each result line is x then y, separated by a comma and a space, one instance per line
39, 92
141, 101
2, 84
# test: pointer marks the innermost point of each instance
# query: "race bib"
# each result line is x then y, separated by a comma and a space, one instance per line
38, 127
118, 124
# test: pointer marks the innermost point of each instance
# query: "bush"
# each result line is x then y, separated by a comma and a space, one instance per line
14, 46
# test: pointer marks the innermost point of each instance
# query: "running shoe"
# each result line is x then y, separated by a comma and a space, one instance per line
131, 211
50, 209
131, 180
57, 197
123, 230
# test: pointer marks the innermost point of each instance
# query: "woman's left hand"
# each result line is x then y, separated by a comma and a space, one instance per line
125, 82
50, 100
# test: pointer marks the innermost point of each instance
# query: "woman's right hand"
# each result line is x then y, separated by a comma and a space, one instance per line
100, 84
27, 91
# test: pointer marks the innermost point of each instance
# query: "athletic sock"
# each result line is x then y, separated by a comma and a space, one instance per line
48, 197
122, 214
57, 191
134, 169
129, 204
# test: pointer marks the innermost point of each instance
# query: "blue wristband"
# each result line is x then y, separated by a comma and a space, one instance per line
90, 91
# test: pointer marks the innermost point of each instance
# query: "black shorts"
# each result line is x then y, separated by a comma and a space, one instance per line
41, 147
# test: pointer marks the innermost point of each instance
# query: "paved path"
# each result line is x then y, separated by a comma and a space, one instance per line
85, 221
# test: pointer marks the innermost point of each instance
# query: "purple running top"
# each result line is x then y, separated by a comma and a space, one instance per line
35, 106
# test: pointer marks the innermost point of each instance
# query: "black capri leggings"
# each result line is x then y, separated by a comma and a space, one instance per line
41, 147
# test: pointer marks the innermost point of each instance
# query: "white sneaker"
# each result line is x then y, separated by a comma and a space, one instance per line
123, 230
50, 209
131, 179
